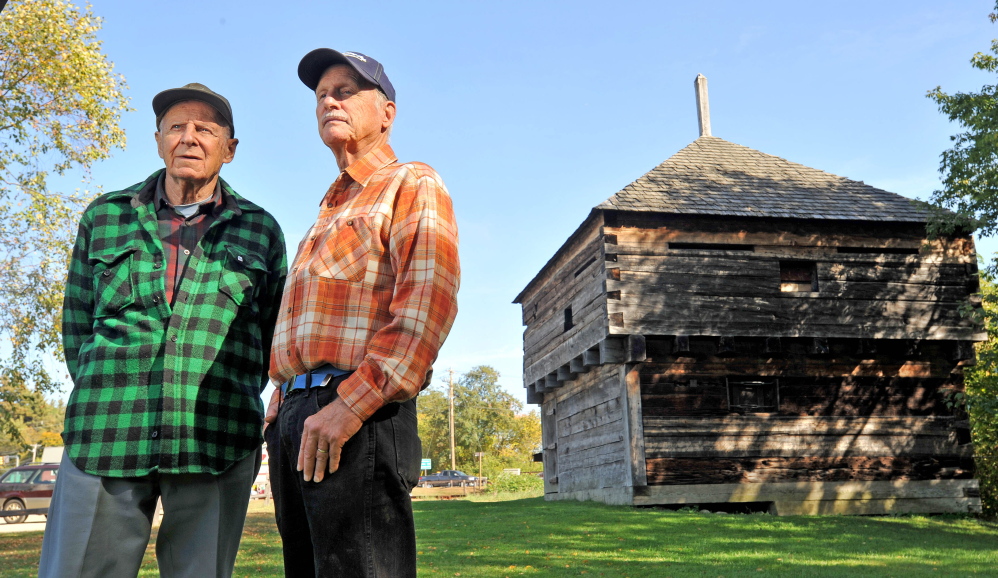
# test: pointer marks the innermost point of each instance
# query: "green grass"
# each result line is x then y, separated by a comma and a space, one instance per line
482, 538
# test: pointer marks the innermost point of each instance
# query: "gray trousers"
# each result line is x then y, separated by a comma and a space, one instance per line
100, 526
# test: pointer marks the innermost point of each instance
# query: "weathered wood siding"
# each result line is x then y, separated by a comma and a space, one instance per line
589, 441
844, 418
870, 284
573, 280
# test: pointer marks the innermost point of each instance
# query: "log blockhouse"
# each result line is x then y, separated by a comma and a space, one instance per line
735, 327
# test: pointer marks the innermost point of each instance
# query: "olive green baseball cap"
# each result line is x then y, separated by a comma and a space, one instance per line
193, 91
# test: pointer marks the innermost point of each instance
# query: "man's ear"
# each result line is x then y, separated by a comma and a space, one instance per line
231, 152
159, 144
389, 115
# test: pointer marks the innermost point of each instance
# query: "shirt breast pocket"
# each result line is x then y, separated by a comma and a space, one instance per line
242, 272
345, 252
113, 287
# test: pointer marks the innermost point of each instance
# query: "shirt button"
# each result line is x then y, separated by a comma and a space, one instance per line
289, 353
187, 251
289, 310
107, 273
155, 433
349, 223
155, 298
158, 264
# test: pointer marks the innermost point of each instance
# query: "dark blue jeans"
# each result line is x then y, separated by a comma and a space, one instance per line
357, 521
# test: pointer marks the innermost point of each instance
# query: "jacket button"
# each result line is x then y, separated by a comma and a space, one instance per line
155, 434
107, 273
158, 264
173, 339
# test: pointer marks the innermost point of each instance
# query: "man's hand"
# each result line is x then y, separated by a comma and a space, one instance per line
323, 437
275, 403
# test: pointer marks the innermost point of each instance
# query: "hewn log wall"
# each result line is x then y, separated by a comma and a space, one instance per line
574, 279
837, 419
881, 282
589, 440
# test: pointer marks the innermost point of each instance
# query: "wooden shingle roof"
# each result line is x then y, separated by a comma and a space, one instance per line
712, 176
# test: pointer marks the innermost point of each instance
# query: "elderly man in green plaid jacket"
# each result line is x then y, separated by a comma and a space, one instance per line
170, 305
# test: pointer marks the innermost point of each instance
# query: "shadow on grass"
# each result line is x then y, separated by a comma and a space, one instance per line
527, 537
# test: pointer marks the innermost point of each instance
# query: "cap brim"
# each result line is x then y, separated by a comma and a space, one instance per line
315, 63
164, 100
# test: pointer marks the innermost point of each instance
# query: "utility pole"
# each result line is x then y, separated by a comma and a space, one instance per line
450, 396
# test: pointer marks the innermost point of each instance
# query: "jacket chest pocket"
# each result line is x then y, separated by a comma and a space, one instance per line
242, 273
113, 287
345, 251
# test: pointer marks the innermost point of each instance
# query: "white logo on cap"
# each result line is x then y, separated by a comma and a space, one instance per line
355, 55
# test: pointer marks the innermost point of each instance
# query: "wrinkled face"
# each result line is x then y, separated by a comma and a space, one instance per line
349, 111
192, 142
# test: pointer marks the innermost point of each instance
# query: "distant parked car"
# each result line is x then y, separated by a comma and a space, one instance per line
447, 478
26, 487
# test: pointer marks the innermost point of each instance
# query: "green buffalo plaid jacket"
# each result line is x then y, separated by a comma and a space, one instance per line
178, 390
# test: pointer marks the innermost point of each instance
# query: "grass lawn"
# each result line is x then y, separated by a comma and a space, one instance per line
477, 537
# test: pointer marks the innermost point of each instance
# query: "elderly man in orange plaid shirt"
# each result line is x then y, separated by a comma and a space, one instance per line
368, 302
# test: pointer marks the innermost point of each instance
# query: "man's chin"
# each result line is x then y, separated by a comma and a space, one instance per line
334, 138
188, 174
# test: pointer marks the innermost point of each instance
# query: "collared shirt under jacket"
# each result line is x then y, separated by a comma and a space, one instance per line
160, 388
374, 286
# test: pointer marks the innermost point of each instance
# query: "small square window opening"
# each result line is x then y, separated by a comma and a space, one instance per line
798, 276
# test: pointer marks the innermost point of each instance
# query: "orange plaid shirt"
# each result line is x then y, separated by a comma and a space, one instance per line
374, 285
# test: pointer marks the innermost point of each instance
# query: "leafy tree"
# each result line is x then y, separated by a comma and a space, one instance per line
60, 109
970, 189
486, 419
434, 430
982, 403
38, 423
970, 169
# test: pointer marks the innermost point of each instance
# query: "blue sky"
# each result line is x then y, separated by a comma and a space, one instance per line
534, 112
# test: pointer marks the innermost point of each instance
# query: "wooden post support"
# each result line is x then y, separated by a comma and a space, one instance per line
576, 365
565, 374
590, 357
636, 474
551, 382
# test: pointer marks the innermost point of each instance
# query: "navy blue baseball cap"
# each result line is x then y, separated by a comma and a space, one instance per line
314, 64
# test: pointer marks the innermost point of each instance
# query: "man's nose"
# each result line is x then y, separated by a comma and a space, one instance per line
187, 137
330, 103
